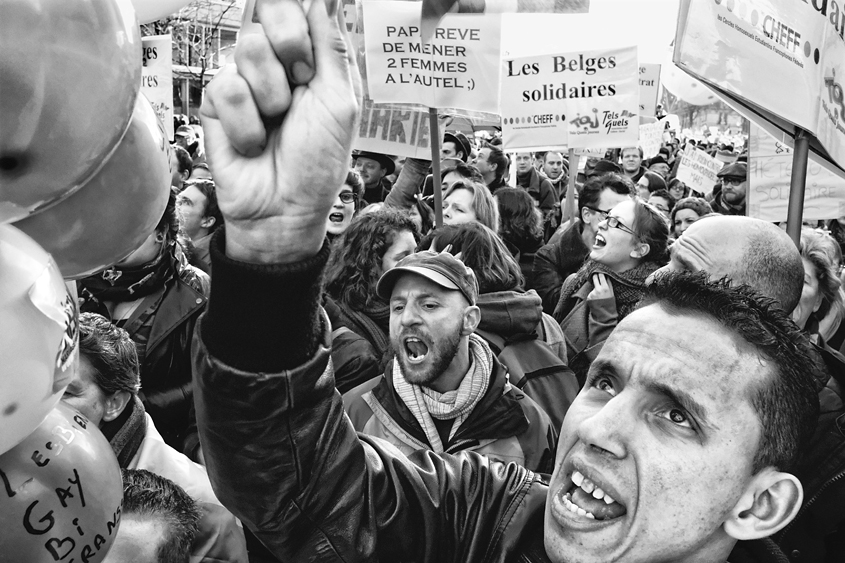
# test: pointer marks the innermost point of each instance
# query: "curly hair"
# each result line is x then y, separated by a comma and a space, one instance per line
521, 222
354, 266
818, 248
486, 210
483, 251
111, 353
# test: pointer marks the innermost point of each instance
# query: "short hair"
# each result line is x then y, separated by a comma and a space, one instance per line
354, 181
638, 149
520, 221
150, 497
497, 157
354, 265
486, 211
212, 209
766, 267
652, 228
199, 165
655, 181
787, 405
186, 163
464, 170
590, 193
818, 248
697, 204
665, 195
483, 251
111, 353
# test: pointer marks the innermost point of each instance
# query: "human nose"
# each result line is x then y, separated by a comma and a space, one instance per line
410, 316
606, 431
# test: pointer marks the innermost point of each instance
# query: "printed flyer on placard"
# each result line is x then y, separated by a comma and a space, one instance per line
586, 99
157, 77
769, 178
459, 68
785, 56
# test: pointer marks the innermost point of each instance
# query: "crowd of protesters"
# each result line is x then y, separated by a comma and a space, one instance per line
365, 385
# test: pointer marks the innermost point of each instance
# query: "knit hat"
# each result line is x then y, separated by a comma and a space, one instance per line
440, 267
603, 167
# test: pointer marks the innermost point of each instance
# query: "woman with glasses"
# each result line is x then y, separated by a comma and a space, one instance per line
345, 205
630, 244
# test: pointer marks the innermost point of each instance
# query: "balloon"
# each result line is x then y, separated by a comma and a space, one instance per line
70, 74
112, 214
685, 87
39, 336
153, 10
60, 493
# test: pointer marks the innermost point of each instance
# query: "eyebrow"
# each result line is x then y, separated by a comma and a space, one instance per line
680, 398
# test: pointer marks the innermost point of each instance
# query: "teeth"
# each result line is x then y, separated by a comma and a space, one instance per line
573, 508
577, 478
588, 485
608, 499
598, 493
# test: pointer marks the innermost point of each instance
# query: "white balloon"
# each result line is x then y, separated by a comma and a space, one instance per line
684, 86
153, 10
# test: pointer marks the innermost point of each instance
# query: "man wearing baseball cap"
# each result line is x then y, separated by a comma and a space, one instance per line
729, 198
444, 390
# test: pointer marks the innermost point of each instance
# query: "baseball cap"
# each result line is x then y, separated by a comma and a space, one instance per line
184, 131
440, 267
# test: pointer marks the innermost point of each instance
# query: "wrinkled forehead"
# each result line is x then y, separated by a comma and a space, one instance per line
687, 351
709, 245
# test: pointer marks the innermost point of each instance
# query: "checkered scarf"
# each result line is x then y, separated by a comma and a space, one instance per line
425, 403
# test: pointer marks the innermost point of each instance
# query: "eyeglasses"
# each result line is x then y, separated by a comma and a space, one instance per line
615, 223
601, 212
733, 181
347, 197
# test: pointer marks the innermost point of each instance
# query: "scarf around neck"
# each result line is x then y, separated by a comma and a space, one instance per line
126, 433
628, 286
128, 284
426, 404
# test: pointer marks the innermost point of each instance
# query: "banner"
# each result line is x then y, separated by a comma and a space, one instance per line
698, 170
651, 138
586, 99
157, 77
459, 68
785, 58
649, 86
769, 174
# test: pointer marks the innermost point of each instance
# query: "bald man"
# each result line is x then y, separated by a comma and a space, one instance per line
760, 254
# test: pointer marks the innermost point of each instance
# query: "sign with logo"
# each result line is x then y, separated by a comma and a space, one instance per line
786, 58
458, 68
157, 77
586, 99
769, 174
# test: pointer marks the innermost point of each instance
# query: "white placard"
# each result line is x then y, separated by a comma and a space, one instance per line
698, 170
157, 77
649, 86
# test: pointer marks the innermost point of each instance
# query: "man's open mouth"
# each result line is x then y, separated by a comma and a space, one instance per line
415, 349
586, 499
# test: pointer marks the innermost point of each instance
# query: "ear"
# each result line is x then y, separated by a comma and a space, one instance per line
207, 222
641, 250
583, 217
185, 175
115, 405
770, 502
472, 316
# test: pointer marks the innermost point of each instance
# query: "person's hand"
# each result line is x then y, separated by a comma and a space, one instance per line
278, 152
602, 289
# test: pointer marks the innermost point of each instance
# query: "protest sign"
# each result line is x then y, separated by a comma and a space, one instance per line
785, 58
698, 170
769, 174
392, 130
649, 86
157, 77
459, 68
651, 137
585, 99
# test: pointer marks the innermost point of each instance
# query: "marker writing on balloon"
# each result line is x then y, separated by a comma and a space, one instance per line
9, 492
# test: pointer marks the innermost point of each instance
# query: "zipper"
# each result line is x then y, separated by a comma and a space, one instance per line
810, 502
